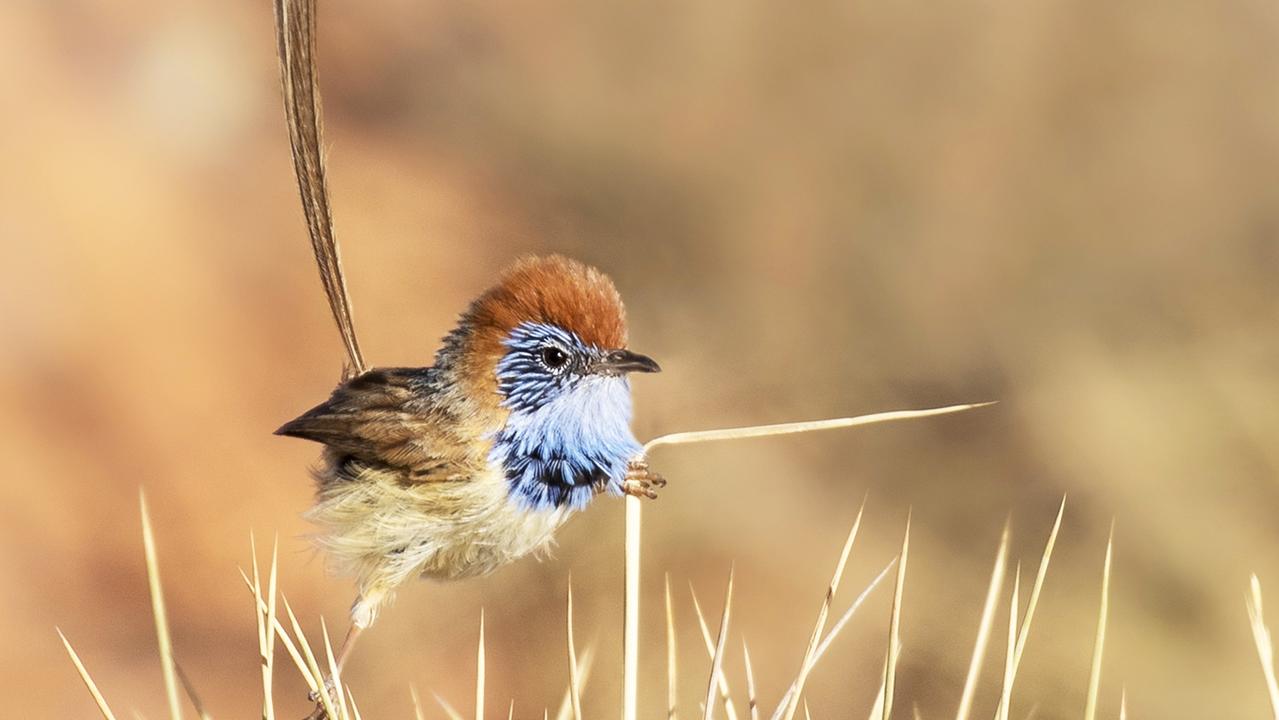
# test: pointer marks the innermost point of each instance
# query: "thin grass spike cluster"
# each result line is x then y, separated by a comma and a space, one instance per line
630, 644
340, 703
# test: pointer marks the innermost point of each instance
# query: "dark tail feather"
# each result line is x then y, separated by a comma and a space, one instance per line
295, 32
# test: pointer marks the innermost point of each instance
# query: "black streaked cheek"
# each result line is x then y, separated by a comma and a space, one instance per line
527, 392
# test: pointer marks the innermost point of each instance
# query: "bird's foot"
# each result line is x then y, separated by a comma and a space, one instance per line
319, 713
641, 481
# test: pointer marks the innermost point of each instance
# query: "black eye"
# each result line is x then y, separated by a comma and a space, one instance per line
554, 358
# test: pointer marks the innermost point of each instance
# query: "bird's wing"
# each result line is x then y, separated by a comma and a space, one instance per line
383, 417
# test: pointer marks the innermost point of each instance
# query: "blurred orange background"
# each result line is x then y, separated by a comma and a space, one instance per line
813, 210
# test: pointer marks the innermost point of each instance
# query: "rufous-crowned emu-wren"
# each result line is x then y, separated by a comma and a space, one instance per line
453, 470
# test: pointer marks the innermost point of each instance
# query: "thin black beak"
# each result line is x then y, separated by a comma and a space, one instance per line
620, 362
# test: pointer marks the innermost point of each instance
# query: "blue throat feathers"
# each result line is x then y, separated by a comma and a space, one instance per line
568, 434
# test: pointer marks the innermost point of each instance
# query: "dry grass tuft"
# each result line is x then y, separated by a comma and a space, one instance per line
815, 639
340, 703
88, 680
718, 678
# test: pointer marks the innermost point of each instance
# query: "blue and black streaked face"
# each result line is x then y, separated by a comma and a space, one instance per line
543, 362
568, 433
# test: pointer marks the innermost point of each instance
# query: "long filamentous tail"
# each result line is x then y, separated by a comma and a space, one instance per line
295, 32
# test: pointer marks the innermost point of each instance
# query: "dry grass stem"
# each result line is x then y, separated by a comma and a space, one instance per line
584, 675
721, 680
756, 431
280, 632
268, 703
315, 677
877, 708
819, 626
852, 610
1006, 694
717, 661
355, 710
1042, 573
159, 614
631, 608
1265, 646
574, 682
983, 629
88, 680
417, 704
1123, 704
448, 709
672, 696
189, 688
265, 617
835, 630
335, 675
1044, 561
480, 672
894, 626
752, 700
1094, 675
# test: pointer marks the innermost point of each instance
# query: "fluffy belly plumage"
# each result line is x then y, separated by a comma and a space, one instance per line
384, 531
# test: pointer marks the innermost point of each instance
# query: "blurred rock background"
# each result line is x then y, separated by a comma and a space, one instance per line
813, 209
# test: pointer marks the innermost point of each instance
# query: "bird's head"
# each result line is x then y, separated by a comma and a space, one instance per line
550, 328
542, 364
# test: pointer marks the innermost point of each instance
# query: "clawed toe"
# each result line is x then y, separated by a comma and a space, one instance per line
640, 481
639, 488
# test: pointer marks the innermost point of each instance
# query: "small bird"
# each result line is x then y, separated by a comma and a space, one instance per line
454, 470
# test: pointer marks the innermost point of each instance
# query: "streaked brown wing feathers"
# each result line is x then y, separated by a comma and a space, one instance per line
378, 417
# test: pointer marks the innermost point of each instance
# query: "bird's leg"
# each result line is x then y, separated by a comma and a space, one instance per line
330, 683
640, 480
347, 645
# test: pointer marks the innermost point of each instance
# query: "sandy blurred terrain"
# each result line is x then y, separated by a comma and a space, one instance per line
813, 209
